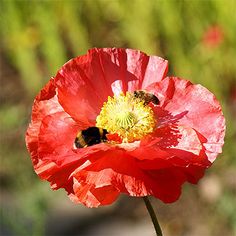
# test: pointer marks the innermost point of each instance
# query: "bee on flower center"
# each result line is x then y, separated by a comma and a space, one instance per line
146, 97
90, 136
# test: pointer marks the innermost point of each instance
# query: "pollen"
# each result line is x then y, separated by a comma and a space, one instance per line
127, 116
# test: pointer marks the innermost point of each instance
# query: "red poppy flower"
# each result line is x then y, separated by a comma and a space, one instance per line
213, 36
150, 148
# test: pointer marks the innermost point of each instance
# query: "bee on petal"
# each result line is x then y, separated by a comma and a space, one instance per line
90, 136
146, 97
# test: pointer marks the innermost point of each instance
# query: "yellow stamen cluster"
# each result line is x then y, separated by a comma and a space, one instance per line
126, 116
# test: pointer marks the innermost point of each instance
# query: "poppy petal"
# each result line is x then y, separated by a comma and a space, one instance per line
113, 171
92, 196
171, 141
45, 103
57, 157
196, 107
173, 146
82, 96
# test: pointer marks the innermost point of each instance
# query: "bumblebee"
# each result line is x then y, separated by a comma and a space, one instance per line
90, 136
146, 97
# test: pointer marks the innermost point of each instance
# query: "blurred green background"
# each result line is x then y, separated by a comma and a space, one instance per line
38, 37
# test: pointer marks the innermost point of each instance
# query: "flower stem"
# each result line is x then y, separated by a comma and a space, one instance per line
153, 216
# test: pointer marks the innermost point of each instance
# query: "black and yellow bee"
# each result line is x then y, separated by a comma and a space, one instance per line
146, 97
90, 136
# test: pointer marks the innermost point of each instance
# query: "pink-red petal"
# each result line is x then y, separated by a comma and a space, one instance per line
92, 196
56, 138
45, 103
170, 141
57, 157
85, 82
196, 107
114, 171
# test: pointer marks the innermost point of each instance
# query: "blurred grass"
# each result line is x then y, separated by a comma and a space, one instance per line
38, 37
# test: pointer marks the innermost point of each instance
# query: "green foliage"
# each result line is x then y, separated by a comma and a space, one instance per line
38, 37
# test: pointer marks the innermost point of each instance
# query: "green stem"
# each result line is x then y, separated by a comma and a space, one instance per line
153, 216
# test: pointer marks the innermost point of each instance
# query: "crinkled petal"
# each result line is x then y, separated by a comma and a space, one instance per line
114, 171
170, 141
44, 104
92, 196
109, 168
57, 157
56, 137
192, 106
166, 183
58, 176
85, 82
137, 70
173, 146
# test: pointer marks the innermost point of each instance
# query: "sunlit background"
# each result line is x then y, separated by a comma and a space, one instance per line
38, 37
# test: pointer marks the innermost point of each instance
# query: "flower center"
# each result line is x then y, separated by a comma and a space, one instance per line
127, 116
